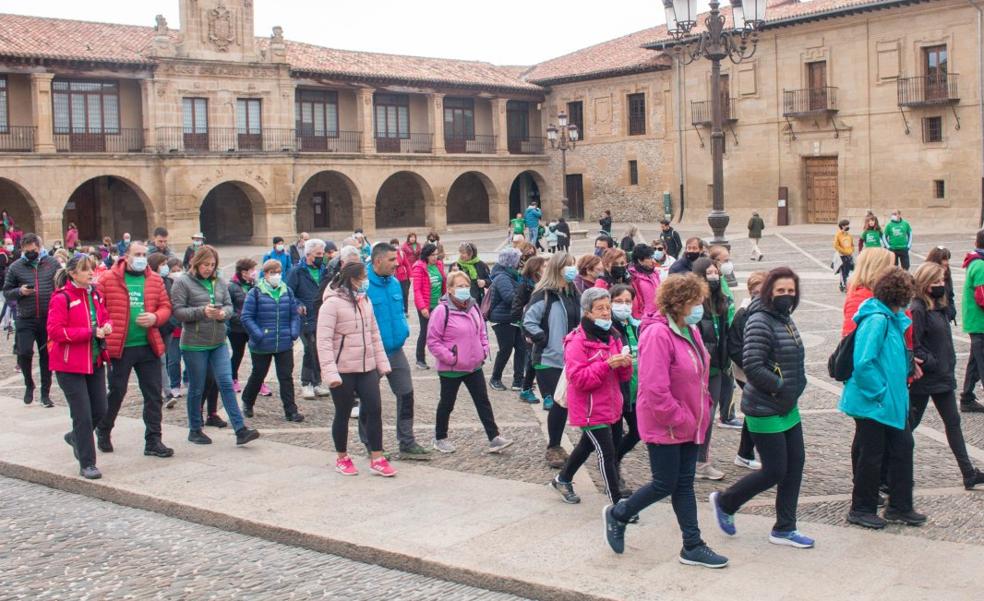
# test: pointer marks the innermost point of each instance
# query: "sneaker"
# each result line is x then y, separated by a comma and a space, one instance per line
909, 518
624, 492
516, 386
706, 471
882, 500
236, 387
170, 402
90, 473
731, 424
528, 396
614, 530
556, 457
444, 445
974, 479
307, 392
247, 412
867, 520
345, 467
245, 435
156, 448
496, 385
46, 401
498, 444
177, 393
355, 411
415, 451
547, 402
725, 521
971, 406
422, 365
103, 442
792, 538
752, 464
320, 390
702, 556
381, 467
217, 422
29, 395
70, 439
566, 490
296, 417
198, 437
265, 390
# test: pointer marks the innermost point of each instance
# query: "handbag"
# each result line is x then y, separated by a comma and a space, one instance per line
560, 393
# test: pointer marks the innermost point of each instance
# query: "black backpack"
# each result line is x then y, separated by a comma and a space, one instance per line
840, 365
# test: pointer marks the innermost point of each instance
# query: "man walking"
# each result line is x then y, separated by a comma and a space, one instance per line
671, 238
755, 227
898, 238
279, 253
138, 305
297, 250
532, 217
973, 324
30, 282
305, 281
387, 304
159, 244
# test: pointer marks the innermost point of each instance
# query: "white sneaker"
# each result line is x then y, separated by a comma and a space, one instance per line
444, 445
307, 392
497, 444
752, 464
177, 393
355, 411
706, 471
322, 390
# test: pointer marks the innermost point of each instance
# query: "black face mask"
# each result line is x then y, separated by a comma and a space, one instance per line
619, 272
692, 256
31, 255
319, 261
714, 285
783, 304
937, 292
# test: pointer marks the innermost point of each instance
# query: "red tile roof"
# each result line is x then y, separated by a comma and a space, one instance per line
61, 39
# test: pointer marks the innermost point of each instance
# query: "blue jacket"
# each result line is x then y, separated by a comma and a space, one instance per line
386, 296
504, 285
273, 325
532, 216
878, 389
305, 290
284, 258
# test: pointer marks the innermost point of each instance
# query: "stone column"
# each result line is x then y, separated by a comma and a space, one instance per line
437, 123
500, 125
436, 211
41, 114
364, 112
148, 98
365, 217
50, 228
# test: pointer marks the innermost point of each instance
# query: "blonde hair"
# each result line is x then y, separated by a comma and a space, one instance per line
873, 263
457, 275
270, 265
553, 273
755, 280
926, 276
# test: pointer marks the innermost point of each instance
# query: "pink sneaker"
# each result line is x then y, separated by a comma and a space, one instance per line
345, 467
381, 467
265, 390
236, 387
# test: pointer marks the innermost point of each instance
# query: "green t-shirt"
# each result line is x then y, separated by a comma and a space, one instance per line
773, 424
971, 313
136, 335
897, 234
435, 285
93, 323
632, 333
518, 225
315, 274
871, 238
455, 374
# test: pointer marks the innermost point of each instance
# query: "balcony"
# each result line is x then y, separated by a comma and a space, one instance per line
475, 145
17, 138
809, 102
928, 90
117, 141
225, 139
337, 141
406, 144
526, 145
701, 114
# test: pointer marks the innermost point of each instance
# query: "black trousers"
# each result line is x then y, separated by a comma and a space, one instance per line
746, 445
238, 342
511, 342
284, 361
902, 258
422, 337
600, 441
875, 441
210, 394
782, 455
529, 376
86, 396
946, 405
475, 383
366, 384
27, 334
310, 368
142, 360
405, 287
626, 440
975, 368
547, 379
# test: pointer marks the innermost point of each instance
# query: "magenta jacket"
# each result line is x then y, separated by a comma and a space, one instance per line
673, 405
421, 284
70, 330
459, 341
594, 393
646, 285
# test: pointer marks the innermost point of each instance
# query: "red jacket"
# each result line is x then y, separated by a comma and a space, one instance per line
404, 263
70, 330
422, 286
112, 286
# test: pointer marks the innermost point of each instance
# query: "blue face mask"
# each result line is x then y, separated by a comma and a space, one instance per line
462, 294
139, 263
604, 324
570, 272
621, 311
659, 255
696, 314
164, 271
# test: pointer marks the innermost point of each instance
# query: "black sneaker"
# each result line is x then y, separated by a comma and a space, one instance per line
566, 490
974, 479
497, 385
46, 401
156, 448
296, 417
103, 442
198, 437
29, 395
614, 530
702, 556
867, 520
971, 406
216, 422
909, 518
247, 411
422, 365
70, 439
244, 435
90, 473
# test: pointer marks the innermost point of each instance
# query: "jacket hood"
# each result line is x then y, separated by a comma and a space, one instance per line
654, 318
977, 254
497, 269
873, 306
336, 292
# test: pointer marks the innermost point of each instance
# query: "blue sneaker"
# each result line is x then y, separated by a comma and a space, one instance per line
702, 556
792, 538
547, 402
614, 530
528, 396
726, 521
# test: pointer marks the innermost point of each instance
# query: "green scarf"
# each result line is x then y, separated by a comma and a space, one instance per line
469, 267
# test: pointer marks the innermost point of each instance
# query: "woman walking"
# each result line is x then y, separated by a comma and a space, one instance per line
72, 237
509, 337
239, 286
626, 328
872, 264
271, 319
532, 271
552, 313
616, 266
202, 304
773, 359
645, 280
428, 288
941, 256
78, 325
404, 263
457, 338
736, 341
871, 236
476, 270
352, 360
595, 366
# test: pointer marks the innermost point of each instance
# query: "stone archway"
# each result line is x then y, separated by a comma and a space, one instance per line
20, 206
470, 199
233, 212
527, 186
402, 201
107, 205
327, 202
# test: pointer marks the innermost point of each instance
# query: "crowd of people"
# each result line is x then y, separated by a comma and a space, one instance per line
643, 341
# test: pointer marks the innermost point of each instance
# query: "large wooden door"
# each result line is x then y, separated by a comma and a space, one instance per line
822, 202
816, 74
575, 196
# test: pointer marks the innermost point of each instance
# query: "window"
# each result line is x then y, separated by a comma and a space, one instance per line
518, 120
939, 189
316, 113
575, 114
194, 115
85, 107
4, 120
935, 65
248, 116
392, 116
633, 173
637, 114
816, 78
459, 118
932, 129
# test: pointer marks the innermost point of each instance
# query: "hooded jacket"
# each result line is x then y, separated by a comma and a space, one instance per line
42, 277
306, 291
70, 330
932, 342
189, 297
421, 284
646, 285
457, 337
503, 291
564, 315
386, 296
112, 287
272, 324
972, 309
773, 358
594, 392
348, 337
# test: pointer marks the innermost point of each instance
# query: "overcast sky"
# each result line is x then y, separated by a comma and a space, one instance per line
505, 32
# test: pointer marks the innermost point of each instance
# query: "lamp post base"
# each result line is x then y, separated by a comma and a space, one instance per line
718, 220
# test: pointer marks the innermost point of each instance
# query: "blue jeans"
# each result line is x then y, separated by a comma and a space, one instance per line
197, 364
673, 468
533, 233
173, 354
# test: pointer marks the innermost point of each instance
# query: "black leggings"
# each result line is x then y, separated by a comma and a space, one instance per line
511, 342
370, 412
86, 396
602, 443
405, 287
946, 405
746, 446
422, 338
547, 379
238, 342
628, 439
475, 383
530, 375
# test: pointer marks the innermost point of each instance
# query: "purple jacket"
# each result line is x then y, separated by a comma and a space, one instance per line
594, 395
673, 405
456, 337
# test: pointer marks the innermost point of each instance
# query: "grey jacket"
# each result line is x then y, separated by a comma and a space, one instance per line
548, 347
189, 297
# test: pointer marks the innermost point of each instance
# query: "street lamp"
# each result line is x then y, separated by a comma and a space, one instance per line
563, 138
715, 43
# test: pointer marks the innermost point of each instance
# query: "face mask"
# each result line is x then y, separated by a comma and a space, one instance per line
896, 218
937, 291
570, 272
783, 304
364, 286
319, 261
274, 280
618, 271
847, 229
692, 256
714, 283
659, 255
126, 238
31, 255
139, 263
196, 243
696, 314
280, 248
621, 311
63, 264
598, 251
727, 268
164, 271
10, 248
604, 324
462, 294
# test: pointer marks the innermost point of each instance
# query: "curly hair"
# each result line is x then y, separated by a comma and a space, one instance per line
896, 288
611, 255
587, 263
677, 292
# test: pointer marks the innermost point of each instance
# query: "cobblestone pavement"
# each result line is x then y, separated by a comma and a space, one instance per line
63, 546
828, 433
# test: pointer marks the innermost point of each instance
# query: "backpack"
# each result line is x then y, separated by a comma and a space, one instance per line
840, 364
486, 306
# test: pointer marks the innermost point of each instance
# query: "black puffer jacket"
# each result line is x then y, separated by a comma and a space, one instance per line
736, 335
773, 358
716, 338
524, 290
238, 294
933, 343
42, 278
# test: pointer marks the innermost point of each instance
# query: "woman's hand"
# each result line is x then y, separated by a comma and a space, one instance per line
426, 313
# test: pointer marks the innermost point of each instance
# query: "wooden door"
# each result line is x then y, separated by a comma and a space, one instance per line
319, 202
575, 196
822, 199
935, 67
816, 74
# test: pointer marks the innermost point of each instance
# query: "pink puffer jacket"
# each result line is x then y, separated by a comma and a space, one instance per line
646, 285
594, 395
457, 337
348, 337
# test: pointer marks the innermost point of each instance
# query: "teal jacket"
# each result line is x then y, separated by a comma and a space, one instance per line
878, 388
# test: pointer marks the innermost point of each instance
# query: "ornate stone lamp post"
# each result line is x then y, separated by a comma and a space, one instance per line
563, 137
716, 42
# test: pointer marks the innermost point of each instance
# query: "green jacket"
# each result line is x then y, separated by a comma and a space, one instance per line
972, 313
898, 235
755, 227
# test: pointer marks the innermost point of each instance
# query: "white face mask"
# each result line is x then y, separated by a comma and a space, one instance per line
280, 248
727, 268
274, 280
621, 311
